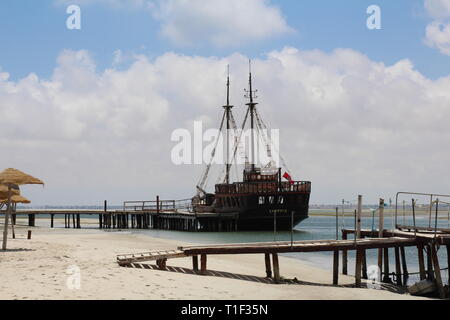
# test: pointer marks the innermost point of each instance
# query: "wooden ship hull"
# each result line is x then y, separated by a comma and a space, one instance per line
260, 206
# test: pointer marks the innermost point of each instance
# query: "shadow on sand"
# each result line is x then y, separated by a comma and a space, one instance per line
221, 274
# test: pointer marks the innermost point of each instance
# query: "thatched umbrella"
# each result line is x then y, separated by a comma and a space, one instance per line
4, 190
15, 199
11, 177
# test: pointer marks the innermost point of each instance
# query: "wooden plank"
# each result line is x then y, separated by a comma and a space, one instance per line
437, 272
276, 267
444, 230
305, 247
336, 268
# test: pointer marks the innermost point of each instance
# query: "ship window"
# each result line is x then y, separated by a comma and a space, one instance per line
280, 200
271, 199
261, 200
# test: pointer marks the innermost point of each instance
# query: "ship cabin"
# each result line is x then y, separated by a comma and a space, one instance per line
261, 189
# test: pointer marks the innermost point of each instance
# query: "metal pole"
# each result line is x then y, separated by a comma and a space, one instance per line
292, 228
436, 218
431, 209
381, 220
274, 226
414, 215
358, 222
337, 223
355, 228
404, 213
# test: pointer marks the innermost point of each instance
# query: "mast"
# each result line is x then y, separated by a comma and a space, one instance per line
252, 105
228, 108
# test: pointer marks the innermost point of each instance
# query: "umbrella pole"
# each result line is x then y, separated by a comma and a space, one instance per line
5, 229
13, 211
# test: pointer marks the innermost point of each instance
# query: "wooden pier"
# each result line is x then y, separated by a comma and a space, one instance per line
396, 240
160, 214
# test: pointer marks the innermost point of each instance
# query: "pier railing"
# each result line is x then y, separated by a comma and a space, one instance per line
158, 206
264, 187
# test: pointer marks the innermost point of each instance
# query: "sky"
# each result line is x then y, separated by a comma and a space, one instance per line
91, 111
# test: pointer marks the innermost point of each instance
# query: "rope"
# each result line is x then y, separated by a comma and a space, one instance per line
202, 182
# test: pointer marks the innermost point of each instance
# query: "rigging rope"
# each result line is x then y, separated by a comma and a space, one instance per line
283, 162
202, 183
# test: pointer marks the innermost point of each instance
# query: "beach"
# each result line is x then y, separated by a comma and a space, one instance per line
38, 269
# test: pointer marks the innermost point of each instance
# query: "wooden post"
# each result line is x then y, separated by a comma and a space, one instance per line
429, 263
29, 235
344, 256
448, 263
276, 267
437, 271
364, 264
358, 267
381, 233
203, 260
358, 218
422, 272
157, 204
195, 263
404, 265
398, 270
268, 266
386, 277
52, 216
7, 214
336, 267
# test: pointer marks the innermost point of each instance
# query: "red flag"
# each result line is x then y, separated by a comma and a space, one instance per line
288, 177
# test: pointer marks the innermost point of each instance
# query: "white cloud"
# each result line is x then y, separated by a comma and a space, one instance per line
204, 22
220, 22
438, 31
349, 124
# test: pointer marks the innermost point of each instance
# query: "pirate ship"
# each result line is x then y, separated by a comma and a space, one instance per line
264, 199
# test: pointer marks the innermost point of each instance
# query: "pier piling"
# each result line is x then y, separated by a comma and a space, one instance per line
276, 267
268, 265
422, 271
336, 267
398, 270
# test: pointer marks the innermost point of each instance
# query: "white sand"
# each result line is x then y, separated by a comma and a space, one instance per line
36, 269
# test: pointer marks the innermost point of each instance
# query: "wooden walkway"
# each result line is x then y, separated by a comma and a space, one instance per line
394, 239
147, 218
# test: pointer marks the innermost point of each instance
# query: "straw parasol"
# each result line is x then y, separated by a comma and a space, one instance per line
11, 177
16, 198
4, 191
